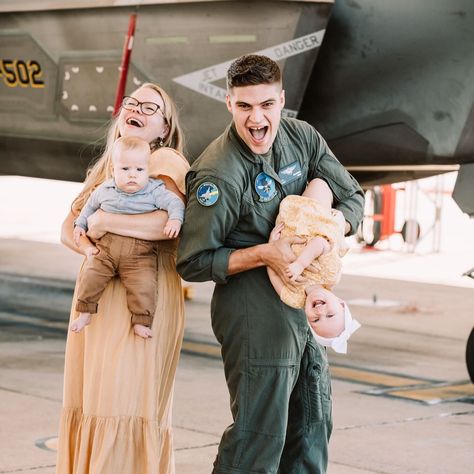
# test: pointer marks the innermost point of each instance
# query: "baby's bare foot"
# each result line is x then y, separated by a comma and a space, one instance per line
142, 331
80, 322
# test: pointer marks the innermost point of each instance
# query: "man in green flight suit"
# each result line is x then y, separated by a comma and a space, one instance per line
277, 375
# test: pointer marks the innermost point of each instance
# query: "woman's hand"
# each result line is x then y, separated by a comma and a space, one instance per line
91, 251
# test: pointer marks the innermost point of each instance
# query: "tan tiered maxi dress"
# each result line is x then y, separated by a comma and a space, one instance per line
118, 387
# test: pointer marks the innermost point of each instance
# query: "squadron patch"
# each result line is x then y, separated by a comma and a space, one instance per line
265, 187
207, 194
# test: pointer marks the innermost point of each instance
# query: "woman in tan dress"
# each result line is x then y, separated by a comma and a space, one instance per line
118, 388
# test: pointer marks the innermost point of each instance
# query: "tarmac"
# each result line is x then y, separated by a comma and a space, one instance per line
402, 399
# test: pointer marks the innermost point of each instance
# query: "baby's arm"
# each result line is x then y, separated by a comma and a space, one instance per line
80, 224
91, 205
313, 249
172, 228
168, 200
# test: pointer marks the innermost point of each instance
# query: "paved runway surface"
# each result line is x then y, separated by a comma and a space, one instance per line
402, 400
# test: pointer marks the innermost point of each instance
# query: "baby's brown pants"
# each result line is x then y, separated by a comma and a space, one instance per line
134, 260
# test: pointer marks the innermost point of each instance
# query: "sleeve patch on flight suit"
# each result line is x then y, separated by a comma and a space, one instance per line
207, 194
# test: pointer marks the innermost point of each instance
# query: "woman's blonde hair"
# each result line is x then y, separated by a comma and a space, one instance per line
102, 169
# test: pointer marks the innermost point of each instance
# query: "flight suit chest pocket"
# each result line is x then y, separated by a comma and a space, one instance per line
268, 209
254, 210
253, 227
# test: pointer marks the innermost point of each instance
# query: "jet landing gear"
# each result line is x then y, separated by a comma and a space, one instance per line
470, 355
470, 340
379, 218
370, 229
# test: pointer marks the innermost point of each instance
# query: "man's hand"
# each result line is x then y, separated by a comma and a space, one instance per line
77, 233
172, 228
91, 251
278, 255
94, 225
275, 234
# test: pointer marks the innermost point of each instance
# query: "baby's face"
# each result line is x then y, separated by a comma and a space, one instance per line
131, 170
325, 313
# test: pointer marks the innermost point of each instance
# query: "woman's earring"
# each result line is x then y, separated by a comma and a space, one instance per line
161, 143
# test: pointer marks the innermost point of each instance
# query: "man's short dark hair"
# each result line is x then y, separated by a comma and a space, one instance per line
252, 70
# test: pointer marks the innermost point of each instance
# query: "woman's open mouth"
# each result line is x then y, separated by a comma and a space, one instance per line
134, 122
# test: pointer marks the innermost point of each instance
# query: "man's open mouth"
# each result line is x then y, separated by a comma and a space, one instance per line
258, 133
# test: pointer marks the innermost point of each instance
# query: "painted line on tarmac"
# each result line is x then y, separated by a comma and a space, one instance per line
48, 444
208, 445
201, 349
429, 392
433, 394
28, 469
32, 320
26, 394
406, 420
369, 377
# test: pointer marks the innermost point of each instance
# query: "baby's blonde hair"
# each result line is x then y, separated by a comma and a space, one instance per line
123, 144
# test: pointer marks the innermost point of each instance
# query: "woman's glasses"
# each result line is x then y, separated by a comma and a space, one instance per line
147, 108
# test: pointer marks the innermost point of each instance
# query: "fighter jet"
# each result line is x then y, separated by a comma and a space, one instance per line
388, 83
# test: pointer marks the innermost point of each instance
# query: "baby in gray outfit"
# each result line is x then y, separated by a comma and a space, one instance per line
130, 191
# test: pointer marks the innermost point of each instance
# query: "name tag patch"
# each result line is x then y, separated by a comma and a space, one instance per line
290, 173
